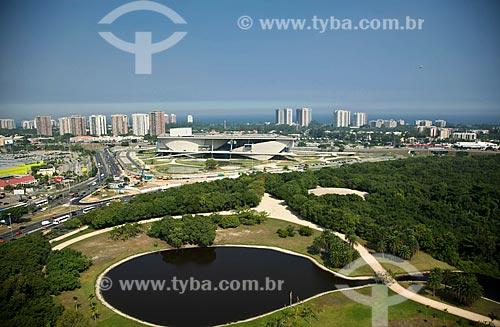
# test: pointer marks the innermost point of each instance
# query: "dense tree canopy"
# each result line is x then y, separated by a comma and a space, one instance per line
24, 294
447, 206
198, 230
220, 195
29, 274
335, 252
63, 269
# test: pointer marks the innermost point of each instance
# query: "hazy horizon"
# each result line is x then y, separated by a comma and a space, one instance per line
55, 62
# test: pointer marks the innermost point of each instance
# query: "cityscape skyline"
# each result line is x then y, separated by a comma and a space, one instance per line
443, 69
156, 122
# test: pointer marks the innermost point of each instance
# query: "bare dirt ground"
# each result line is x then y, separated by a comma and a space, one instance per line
336, 190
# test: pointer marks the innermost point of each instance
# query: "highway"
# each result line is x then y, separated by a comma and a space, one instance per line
107, 167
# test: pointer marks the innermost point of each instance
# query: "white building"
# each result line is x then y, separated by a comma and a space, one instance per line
440, 123
140, 124
433, 131
475, 145
7, 123
464, 136
29, 124
304, 116
360, 119
189, 119
444, 133
97, 125
173, 119
390, 123
284, 116
423, 123
181, 141
378, 123
341, 118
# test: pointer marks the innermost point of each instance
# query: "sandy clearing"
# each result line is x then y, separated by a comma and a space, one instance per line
336, 190
278, 209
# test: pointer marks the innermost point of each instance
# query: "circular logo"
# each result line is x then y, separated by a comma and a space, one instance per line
105, 284
379, 300
245, 22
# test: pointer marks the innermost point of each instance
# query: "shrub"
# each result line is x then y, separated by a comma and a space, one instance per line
282, 233
305, 231
291, 231
229, 222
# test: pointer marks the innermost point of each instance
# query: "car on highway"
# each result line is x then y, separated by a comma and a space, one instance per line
19, 232
46, 222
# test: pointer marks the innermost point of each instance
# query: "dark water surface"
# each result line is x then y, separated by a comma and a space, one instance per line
206, 308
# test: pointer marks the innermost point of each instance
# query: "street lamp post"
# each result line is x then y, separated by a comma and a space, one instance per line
10, 225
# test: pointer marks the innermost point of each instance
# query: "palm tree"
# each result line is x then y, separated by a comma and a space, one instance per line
94, 312
466, 289
307, 314
404, 252
351, 238
382, 246
435, 279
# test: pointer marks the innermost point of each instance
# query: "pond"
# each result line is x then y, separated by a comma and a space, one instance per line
249, 283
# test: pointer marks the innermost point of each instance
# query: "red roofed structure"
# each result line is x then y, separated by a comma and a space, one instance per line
16, 180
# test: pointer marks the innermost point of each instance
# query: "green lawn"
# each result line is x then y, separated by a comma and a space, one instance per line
83, 232
421, 261
482, 306
334, 309
266, 235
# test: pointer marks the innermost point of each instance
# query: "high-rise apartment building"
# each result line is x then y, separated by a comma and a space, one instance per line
7, 123
156, 122
167, 121
140, 124
189, 119
29, 124
119, 124
423, 123
75, 125
376, 123
341, 118
440, 123
390, 123
43, 125
360, 119
173, 119
97, 125
284, 116
304, 116
444, 133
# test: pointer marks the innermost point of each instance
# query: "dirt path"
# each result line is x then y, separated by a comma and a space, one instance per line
279, 210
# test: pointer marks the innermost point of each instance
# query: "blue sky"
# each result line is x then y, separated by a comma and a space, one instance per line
53, 61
